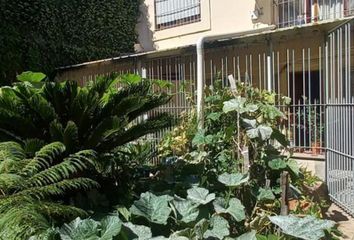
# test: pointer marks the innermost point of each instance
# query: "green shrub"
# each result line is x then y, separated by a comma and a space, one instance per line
41, 35
30, 186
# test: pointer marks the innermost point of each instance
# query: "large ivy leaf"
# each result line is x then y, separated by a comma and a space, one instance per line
78, 229
220, 228
33, 77
294, 167
187, 209
262, 131
172, 237
200, 228
110, 227
199, 138
251, 108
265, 194
308, 228
277, 164
233, 180
271, 112
200, 195
153, 208
89, 229
236, 104
214, 116
248, 236
234, 208
249, 123
137, 232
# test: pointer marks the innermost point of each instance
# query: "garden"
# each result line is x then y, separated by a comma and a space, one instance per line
78, 163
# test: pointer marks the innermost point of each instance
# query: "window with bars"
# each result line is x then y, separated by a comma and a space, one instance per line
297, 12
172, 13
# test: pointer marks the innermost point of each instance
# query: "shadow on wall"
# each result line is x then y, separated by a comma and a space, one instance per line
145, 35
263, 12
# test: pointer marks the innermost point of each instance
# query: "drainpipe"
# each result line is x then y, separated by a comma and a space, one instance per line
200, 64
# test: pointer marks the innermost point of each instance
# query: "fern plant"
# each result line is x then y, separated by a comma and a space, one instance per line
97, 116
29, 187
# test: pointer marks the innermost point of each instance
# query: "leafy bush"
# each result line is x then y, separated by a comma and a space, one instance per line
99, 116
30, 186
94, 117
237, 122
42, 35
200, 215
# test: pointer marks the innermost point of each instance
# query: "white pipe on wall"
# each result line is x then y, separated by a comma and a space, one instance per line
200, 64
269, 73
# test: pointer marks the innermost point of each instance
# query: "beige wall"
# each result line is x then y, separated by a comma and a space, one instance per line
217, 17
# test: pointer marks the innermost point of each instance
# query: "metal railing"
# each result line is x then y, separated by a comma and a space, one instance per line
173, 13
297, 73
298, 12
340, 116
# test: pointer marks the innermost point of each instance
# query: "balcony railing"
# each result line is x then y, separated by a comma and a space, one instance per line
298, 12
172, 13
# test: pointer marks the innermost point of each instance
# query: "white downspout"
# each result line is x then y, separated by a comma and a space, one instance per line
200, 65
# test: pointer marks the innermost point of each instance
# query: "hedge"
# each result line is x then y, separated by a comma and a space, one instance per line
40, 35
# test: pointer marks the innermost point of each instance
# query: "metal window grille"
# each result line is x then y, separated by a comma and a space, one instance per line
172, 13
298, 12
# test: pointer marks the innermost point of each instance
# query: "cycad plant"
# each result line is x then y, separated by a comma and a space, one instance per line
98, 116
29, 187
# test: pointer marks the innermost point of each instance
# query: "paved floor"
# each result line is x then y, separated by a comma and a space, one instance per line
346, 223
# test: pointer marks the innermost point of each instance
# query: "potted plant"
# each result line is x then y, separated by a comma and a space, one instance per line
308, 125
316, 130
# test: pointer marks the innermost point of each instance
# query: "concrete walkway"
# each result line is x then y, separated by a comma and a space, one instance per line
346, 223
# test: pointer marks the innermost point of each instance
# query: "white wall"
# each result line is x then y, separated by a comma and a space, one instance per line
217, 16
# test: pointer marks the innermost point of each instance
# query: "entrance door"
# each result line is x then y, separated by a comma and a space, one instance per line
339, 66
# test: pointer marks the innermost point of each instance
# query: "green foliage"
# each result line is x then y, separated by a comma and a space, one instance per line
153, 208
42, 35
30, 185
308, 228
166, 217
78, 229
92, 117
31, 77
233, 180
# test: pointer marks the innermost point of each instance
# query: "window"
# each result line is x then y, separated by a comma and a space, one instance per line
292, 12
297, 12
172, 13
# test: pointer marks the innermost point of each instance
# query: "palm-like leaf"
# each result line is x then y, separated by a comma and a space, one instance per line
80, 117
28, 186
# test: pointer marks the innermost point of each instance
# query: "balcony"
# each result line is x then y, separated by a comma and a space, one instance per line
298, 12
173, 13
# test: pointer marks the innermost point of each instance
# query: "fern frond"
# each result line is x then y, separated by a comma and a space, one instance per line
59, 188
103, 129
71, 136
11, 150
60, 211
21, 222
31, 146
72, 165
44, 158
151, 125
151, 102
56, 130
9, 166
9, 182
102, 84
136, 90
11, 157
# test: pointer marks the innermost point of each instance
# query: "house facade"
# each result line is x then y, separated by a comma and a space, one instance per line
299, 48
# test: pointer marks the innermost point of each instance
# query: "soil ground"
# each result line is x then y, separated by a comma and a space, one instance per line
346, 223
